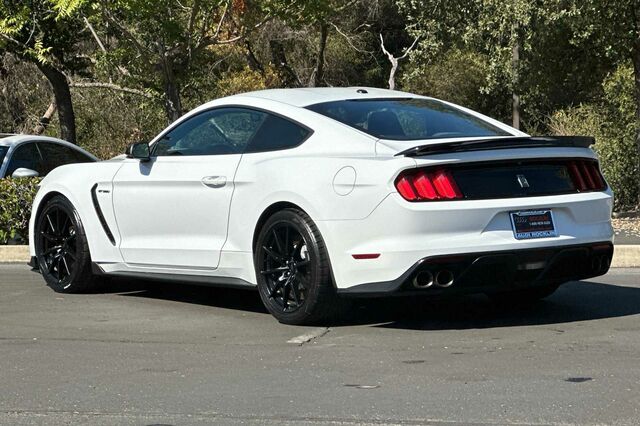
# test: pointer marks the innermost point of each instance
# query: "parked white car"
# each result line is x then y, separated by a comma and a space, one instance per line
313, 194
32, 155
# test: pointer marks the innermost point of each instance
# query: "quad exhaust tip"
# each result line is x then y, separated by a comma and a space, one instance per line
424, 279
444, 278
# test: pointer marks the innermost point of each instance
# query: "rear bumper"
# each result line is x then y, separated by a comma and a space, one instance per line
494, 271
404, 233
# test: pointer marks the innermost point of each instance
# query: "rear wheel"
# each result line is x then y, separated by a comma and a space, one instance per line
61, 248
525, 296
292, 269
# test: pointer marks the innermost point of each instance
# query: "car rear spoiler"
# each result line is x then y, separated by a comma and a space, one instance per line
500, 143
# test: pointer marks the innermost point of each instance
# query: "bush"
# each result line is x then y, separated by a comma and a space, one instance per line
16, 197
460, 77
614, 126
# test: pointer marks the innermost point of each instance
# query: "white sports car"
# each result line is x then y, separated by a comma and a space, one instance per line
316, 194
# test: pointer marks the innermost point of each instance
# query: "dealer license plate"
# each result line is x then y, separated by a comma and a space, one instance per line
530, 224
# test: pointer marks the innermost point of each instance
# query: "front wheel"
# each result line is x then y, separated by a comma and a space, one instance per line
293, 271
61, 248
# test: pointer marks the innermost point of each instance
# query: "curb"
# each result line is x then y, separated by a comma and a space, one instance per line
625, 256
13, 254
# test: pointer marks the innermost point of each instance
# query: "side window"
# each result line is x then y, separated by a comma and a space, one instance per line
26, 156
214, 132
277, 133
56, 155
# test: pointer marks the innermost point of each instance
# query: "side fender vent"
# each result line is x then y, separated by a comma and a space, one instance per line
103, 222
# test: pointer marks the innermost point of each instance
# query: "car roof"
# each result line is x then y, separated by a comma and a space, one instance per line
15, 139
302, 97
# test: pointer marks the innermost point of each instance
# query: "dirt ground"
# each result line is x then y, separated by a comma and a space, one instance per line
629, 226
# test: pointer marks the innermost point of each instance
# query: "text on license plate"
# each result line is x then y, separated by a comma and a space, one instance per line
529, 224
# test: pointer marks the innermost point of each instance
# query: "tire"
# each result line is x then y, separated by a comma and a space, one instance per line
525, 296
293, 270
61, 248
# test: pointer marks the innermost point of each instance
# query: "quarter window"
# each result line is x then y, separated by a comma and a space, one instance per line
56, 155
26, 156
277, 133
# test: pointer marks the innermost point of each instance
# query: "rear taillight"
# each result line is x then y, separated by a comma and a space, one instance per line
586, 175
420, 185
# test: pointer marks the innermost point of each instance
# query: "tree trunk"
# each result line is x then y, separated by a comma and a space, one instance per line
252, 61
279, 59
515, 65
44, 121
172, 102
318, 72
64, 105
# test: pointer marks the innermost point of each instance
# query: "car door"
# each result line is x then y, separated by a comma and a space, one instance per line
173, 210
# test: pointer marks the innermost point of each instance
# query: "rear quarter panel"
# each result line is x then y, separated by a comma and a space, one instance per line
333, 175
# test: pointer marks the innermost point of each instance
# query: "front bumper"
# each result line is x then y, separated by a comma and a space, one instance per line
494, 271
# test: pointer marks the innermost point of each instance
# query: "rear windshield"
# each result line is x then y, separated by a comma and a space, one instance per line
407, 119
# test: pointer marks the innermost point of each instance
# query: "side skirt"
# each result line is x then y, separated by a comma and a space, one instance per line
204, 280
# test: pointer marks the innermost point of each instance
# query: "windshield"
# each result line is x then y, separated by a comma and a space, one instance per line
407, 119
3, 152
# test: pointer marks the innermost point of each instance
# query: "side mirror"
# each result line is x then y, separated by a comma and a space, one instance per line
139, 151
24, 173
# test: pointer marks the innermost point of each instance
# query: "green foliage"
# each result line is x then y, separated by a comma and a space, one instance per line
613, 124
16, 197
133, 65
456, 76
42, 30
244, 80
107, 122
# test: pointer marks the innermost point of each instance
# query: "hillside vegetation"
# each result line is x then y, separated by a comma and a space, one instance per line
105, 73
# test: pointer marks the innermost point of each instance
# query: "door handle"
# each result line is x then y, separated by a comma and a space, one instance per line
214, 181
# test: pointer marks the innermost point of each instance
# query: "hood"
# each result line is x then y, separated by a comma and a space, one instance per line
118, 157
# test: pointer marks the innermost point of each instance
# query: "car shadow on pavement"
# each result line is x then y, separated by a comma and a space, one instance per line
221, 297
575, 301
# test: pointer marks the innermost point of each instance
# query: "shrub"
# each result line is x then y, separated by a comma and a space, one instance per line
16, 197
460, 77
613, 124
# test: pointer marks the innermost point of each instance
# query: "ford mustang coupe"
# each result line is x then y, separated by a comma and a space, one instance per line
312, 195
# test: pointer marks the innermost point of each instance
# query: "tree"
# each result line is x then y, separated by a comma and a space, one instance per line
310, 16
395, 60
163, 42
39, 31
614, 28
503, 32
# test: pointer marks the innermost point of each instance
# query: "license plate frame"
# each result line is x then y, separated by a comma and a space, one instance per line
533, 224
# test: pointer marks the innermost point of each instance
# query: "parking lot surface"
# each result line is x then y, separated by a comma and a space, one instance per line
150, 353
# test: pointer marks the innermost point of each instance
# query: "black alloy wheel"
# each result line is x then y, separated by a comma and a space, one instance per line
57, 238
293, 269
285, 266
61, 248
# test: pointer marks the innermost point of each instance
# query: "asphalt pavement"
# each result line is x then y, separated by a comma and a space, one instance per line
147, 353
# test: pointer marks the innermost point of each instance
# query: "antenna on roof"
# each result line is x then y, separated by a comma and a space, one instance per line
364, 92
